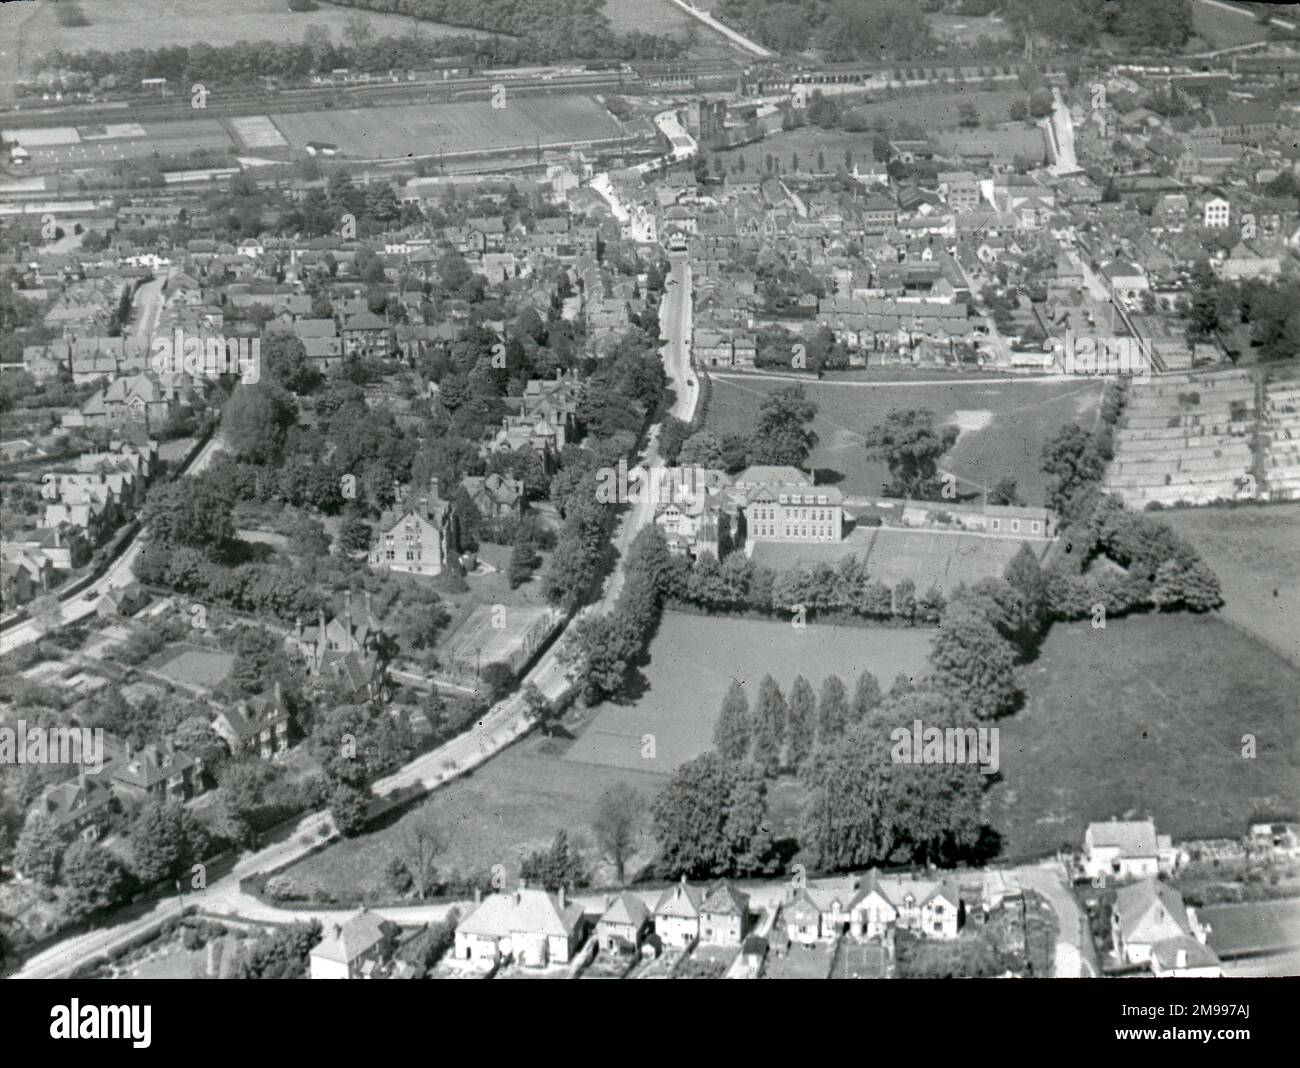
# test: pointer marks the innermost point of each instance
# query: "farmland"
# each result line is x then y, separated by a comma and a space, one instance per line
1223, 29
929, 558
1146, 717
427, 129
693, 660
1256, 554
1016, 420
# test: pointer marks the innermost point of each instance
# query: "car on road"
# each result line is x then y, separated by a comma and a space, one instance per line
90, 595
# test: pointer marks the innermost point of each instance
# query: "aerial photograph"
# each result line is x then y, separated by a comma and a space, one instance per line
651, 489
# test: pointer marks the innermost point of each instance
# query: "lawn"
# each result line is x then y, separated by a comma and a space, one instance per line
496, 815
194, 666
1146, 717
692, 662
426, 129
929, 558
1016, 419
1255, 927
1223, 29
1256, 554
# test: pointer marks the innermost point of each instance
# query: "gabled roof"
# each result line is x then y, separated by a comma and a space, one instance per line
725, 900
1133, 838
1150, 911
681, 900
346, 942
524, 911
628, 909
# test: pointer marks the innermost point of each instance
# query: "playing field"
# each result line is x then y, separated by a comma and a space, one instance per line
1016, 419
497, 634
1256, 554
427, 129
68, 145
929, 558
693, 660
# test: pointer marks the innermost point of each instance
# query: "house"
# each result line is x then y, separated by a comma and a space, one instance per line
413, 535
1126, 849
157, 773
79, 806
926, 907
724, 916
356, 949
1146, 914
1126, 281
677, 914
534, 927
496, 496
1276, 837
258, 726
1216, 213
782, 504
624, 923
349, 648
1183, 957
122, 602
810, 916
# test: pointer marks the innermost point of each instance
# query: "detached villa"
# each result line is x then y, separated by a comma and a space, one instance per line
535, 927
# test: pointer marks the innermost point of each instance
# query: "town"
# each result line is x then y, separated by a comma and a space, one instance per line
685, 491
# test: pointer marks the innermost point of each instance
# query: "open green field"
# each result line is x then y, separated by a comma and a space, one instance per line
73, 146
1256, 554
649, 16
1223, 29
1016, 420
693, 660
496, 815
426, 129
929, 558
1258, 926
124, 24
1146, 717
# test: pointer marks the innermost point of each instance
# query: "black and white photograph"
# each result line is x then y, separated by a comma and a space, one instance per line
650, 489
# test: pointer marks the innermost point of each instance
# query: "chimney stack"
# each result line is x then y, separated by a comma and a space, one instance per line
562, 897
433, 487
347, 610
297, 626
367, 597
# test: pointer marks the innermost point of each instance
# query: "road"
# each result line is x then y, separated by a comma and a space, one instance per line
1066, 162
505, 721
82, 604
734, 36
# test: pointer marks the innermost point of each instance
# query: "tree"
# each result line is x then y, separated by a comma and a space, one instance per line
1025, 576
96, 881
770, 715
910, 446
38, 852
973, 665
1075, 464
243, 798
702, 449
968, 115
420, 842
801, 723
866, 697
350, 808
166, 841
711, 819
355, 534
523, 560
832, 710
195, 514
283, 954
617, 825
781, 434
733, 731
1004, 492
540, 709
256, 420
560, 866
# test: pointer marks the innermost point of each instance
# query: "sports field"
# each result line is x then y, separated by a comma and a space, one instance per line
929, 558
497, 634
204, 668
693, 660
78, 146
1256, 554
427, 129
1015, 419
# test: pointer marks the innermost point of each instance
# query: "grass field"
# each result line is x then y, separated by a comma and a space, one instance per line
73, 146
648, 16
426, 129
928, 558
1254, 551
1017, 420
124, 24
197, 667
496, 815
1146, 717
1222, 29
693, 660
